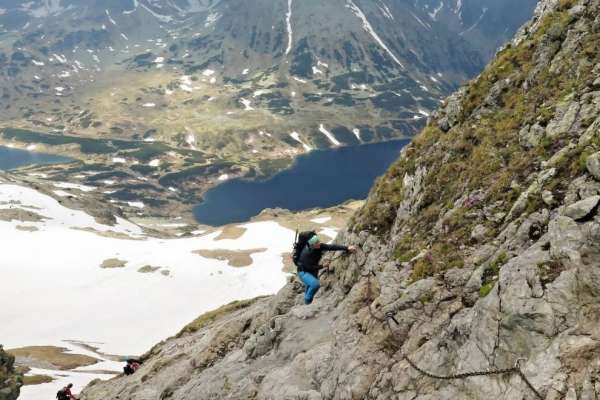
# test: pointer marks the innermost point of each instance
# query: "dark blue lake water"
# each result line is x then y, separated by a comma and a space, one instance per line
321, 178
15, 158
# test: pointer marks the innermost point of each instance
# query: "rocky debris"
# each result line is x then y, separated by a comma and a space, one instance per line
582, 208
465, 279
10, 381
593, 165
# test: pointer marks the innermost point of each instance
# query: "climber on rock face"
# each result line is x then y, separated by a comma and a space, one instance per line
308, 264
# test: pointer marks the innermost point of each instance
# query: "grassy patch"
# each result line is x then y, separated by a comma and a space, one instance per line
212, 316
56, 356
482, 153
36, 380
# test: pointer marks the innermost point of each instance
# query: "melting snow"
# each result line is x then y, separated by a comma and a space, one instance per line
112, 21
38, 63
386, 11
68, 185
321, 220
245, 71
356, 132
89, 290
119, 160
436, 11
136, 204
186, 83
208, 72
211, 19
246, 104
62, 59
223, 177
367, 27
329, 135
296, 137
259, 92
288, 21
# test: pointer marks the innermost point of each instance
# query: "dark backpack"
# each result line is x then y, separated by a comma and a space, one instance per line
62, 395
300, 243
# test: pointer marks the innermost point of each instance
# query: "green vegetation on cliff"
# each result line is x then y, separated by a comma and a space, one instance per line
504, 128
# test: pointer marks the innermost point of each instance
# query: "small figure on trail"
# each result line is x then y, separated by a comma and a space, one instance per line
132, 366
308, 251
65, 393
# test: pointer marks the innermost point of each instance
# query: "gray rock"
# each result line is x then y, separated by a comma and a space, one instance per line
479, 232
582, 208
566, 114
548, 198
565, 238
593, 165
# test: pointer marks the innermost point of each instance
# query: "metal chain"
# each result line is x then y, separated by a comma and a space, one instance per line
463, 375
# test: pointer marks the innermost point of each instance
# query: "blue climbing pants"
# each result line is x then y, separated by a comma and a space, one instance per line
312, 285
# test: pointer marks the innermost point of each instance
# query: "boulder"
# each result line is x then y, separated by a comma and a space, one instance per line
582, 208
593, 165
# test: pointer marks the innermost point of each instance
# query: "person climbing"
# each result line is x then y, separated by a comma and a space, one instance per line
307, 255
132, 366
65, 393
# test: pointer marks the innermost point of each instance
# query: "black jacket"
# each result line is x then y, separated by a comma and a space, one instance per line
309, 257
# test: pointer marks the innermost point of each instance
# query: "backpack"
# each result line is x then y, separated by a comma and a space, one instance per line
62, 395
300, 243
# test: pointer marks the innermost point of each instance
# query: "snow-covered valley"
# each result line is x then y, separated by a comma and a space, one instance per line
69, 280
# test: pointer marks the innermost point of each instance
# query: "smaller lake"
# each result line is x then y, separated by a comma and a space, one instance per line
321, 178
15, 158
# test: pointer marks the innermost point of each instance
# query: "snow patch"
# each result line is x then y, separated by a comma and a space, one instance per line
246, 104
296, 137
367, 27
112, 21
288, 22
329, 135
356, 132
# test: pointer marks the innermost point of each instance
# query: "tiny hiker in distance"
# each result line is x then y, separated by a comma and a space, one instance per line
65, 393
308, 251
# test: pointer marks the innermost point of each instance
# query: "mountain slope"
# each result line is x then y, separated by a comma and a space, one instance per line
477, 249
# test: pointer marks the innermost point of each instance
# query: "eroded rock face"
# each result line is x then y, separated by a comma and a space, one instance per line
526, 285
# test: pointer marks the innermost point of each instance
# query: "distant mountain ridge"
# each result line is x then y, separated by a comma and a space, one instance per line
229, 87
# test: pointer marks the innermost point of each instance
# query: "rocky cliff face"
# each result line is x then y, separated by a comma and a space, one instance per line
10, 382
478, 248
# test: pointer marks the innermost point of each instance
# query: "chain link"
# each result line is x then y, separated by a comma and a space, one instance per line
463, 375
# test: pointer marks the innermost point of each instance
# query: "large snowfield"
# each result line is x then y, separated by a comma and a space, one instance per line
53, 289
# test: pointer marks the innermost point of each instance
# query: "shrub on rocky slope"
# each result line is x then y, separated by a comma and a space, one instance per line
10, 381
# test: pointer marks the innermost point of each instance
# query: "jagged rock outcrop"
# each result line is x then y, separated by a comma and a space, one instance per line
10, 381
480, 247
